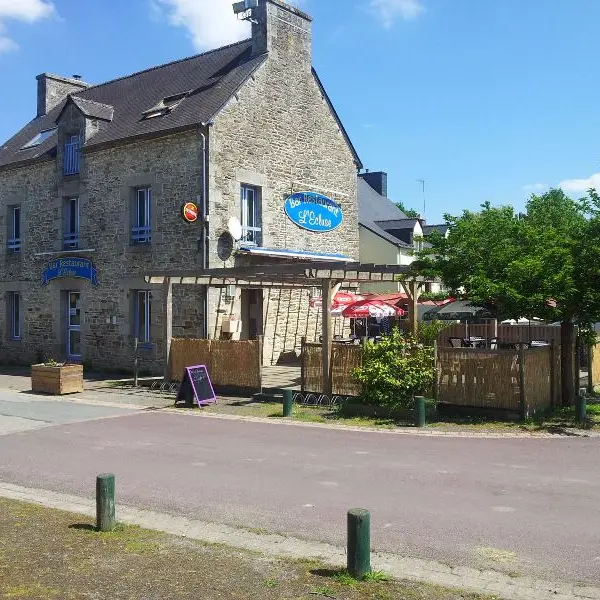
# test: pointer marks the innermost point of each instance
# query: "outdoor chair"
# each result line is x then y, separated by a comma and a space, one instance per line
457, 342
494, 343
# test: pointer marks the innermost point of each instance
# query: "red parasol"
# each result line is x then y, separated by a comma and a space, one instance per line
372, 308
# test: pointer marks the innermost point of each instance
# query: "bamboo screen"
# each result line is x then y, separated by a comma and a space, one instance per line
478, 378
229, 363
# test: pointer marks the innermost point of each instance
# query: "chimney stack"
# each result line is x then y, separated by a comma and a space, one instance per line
282, 29
53, 89
377, 180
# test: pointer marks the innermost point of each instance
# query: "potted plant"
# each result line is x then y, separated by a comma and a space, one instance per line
57, 378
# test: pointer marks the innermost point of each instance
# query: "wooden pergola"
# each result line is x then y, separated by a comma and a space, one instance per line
290, 275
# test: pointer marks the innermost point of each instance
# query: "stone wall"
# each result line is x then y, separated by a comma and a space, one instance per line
105, 187
280, 134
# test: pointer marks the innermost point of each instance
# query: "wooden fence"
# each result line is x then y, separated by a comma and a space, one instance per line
509, 334
524, 381
230, 364
344, 359
594, 368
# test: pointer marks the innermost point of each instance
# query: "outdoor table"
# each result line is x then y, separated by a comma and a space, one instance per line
475, 342
539, 343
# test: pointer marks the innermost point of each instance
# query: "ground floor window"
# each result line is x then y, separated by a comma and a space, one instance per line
142, 315
14, 315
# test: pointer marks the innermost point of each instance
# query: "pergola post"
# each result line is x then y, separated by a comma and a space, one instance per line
413, 292
168, 324
326, 333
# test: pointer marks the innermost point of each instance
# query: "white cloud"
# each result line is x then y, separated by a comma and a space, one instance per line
210, 23
388, 11
581, 185
28, 11
535, 187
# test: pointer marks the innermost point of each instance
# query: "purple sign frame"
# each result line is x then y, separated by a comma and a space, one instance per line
190, 375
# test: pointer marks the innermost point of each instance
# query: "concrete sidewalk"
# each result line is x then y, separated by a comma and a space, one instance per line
98, 389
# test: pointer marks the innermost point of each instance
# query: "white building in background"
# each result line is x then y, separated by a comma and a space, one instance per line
386, 234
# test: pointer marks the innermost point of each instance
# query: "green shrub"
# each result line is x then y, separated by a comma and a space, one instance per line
428, 331
395, 370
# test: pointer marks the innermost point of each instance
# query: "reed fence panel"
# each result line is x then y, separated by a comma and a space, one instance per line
538, 380
229, 363
478, 378
312, 368
595, 364
344, 359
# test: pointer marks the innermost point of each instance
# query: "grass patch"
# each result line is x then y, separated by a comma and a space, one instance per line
549, 423
55, 555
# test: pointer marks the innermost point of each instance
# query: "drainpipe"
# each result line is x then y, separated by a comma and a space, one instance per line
205, 226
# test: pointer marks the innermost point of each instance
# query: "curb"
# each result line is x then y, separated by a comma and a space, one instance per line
279, 546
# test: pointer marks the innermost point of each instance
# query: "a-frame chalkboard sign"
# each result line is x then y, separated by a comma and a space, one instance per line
197, 385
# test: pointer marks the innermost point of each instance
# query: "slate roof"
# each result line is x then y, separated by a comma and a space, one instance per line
94, 110
390, 225
373, 207
211, 78
439, 228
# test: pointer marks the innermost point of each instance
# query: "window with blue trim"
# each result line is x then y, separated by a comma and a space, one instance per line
72, 156
142, 314
251, 215
71, 221
14, 315
141, 230
14, 229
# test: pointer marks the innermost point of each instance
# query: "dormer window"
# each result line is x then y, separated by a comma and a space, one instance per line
165, 106
40, 138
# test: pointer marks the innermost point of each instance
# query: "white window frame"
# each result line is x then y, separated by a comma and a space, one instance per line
143, 297
15, 311
251, 215
14, 240
141, 232
71, 234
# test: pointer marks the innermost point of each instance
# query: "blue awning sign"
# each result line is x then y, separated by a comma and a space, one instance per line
314, 212
67, 268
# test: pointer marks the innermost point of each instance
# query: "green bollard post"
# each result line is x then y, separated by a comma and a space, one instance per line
581, 407
105, 502
419, 411
359, 542
288, 403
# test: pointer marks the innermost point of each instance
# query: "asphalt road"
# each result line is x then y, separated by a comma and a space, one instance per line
525, 506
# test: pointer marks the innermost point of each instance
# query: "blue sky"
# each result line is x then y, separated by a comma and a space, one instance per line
484, 99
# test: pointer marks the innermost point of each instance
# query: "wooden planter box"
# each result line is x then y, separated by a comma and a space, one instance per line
57, 380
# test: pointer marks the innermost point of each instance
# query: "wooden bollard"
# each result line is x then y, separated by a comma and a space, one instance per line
359, 542
105, 502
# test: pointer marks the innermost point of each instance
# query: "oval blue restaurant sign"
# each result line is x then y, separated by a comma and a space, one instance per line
313, 211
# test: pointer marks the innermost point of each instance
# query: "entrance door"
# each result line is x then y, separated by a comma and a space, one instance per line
74, 326
252, 314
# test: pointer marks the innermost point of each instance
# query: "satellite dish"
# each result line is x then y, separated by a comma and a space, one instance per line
235, 228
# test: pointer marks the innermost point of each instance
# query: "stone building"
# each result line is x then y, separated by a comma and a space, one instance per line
92, 193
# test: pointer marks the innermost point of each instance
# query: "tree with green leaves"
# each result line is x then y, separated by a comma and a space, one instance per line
543, 263
411, 213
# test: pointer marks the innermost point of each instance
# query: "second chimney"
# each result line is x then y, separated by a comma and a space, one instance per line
53, 89
377, 180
